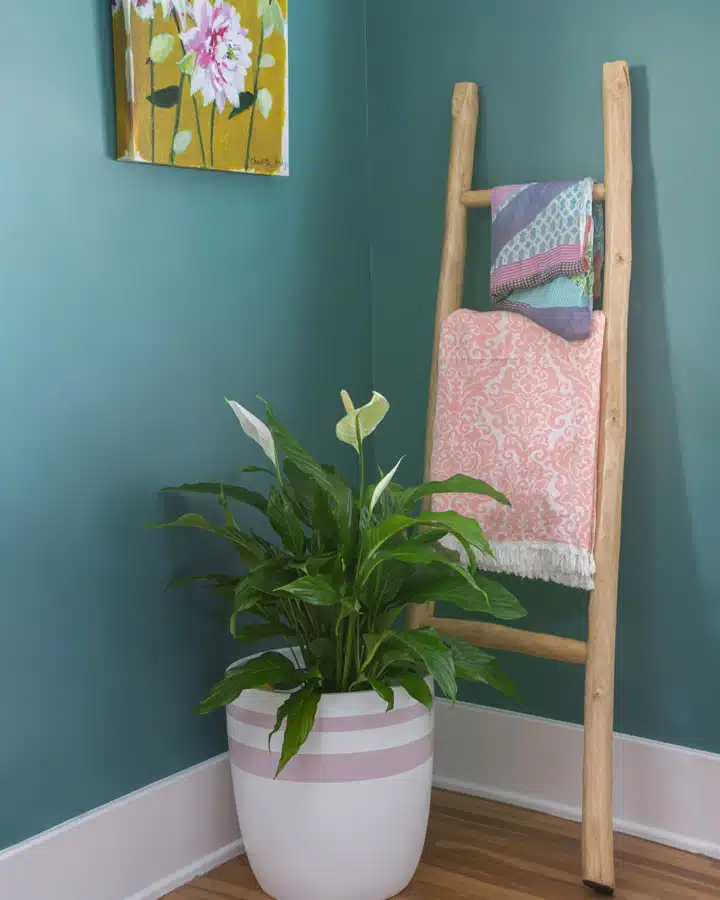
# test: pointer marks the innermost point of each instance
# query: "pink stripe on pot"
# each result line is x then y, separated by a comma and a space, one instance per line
333, 767
328, 724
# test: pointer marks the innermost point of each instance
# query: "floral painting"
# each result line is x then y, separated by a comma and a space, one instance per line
202, 83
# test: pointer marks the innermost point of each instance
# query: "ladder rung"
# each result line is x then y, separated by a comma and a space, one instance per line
502, 637
482, 198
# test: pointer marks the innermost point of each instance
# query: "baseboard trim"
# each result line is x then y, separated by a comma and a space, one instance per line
153, 841
663, 793
138, 847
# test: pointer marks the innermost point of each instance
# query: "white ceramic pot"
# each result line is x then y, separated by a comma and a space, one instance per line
346, 819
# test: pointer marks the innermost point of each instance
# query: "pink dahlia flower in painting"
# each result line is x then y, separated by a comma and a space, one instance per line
178, 7
144, 8
222, 52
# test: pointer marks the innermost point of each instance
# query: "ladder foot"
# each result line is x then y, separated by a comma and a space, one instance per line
599, 888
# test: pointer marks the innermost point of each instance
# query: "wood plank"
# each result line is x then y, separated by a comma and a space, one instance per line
452, 266
479, 199
597, 846
504, 637
481, 850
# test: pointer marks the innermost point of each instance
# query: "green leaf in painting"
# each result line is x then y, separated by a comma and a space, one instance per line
428, 646
384, 691
161, 47
417, 688
182, 141
264, 102
187, 64
269, 669
166, 97
299, 710
247, 98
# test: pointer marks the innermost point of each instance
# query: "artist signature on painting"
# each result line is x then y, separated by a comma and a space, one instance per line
265, 162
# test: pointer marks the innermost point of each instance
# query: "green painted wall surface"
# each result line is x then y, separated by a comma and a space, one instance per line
133, 299
539, 68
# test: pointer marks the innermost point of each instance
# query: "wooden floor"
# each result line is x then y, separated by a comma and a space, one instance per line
477, 850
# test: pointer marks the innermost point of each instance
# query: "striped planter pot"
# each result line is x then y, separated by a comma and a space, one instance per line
346, 819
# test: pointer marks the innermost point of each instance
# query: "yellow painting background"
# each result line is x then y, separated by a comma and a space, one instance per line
134, 127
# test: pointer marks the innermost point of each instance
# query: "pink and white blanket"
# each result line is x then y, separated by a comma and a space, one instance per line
518, 406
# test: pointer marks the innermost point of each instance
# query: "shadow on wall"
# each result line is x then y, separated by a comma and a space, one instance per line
657, 528
102, 14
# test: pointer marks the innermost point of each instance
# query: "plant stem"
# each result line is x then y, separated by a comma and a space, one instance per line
199, 131
152, 91
212, 136
255, 91
178, 109
350, 639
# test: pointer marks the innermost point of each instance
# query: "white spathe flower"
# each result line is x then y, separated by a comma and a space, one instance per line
361, 422
255, 429
382, 485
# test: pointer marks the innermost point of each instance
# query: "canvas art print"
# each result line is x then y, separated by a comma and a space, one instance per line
202, 83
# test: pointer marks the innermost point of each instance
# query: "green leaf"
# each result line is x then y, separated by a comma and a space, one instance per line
502, 603
264, 102
161, 47
252, 498
247, 98
384, 691
317, 590
246, 596
220, 580
269, 669
247, 548
473, 664
166, 97
417, 688
458, 484
372, 641
187, 63
299, 710
182, 141
428, 646
381, 533
485, 596
416, 551
261, 631
326, 478
257, 469
465, 529
284, 521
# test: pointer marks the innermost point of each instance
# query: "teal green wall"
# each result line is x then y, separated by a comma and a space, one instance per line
539, 67
133, 299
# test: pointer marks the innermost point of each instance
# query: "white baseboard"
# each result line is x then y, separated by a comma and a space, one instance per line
145, 845
663, 793
139, 847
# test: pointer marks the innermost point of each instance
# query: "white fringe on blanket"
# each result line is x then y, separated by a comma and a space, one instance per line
546, 560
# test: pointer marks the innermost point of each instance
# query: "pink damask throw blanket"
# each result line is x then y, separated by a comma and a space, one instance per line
518, 406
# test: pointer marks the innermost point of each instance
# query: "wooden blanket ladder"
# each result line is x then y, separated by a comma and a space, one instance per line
598, 652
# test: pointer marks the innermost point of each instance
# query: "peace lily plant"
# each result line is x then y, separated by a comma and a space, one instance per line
343, 568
